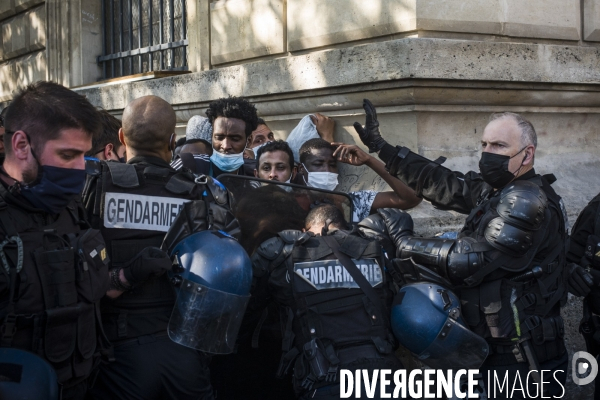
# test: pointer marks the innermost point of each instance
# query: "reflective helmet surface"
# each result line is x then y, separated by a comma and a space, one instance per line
426, 319
24, 375
216, 260
214, 275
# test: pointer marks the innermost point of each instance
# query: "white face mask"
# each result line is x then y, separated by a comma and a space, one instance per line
322, 180
255, 149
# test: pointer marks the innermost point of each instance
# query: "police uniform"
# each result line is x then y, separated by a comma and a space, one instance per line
333, 318
509, 260
583, 250
54, 273
134, 205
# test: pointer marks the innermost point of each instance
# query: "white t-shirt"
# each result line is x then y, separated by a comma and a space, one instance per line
362, 201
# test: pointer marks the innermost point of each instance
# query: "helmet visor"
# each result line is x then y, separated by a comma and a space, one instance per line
206, 319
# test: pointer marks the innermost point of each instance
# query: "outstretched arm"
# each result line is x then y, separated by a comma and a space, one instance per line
401, 197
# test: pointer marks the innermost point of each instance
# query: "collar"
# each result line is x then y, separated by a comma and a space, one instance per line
159, 162
527, 175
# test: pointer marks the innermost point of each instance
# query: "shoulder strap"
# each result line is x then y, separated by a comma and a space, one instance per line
354, 272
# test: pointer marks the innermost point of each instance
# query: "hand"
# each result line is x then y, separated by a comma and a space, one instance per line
325, 126
369, 134
580, 281
350, 154
149, 263
591, 250
249, 154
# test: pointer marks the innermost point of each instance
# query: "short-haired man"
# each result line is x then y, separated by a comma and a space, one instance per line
106, 146
509, 260
335, 323
232, 119
54, 268
134, 205
260, 136
275, 162
319, 168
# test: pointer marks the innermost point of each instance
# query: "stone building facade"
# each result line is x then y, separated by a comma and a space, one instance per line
435, 69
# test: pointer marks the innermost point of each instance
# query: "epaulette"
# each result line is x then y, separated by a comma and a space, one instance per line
271, 249
123, 175
291, 236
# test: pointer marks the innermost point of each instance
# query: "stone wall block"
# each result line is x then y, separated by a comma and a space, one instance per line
37, 28
31, 68
591, 20
544, 19
8, 81
242, 29
21, 5
465, 16
15, 36
316, 23
7, 8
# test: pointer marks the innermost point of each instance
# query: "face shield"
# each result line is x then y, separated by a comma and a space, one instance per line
214, 275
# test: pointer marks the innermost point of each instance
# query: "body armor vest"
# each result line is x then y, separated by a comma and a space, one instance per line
329, 315
56, 273
136, 204
519, 300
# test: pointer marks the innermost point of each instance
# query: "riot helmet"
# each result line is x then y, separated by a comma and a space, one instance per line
213, 274
426, 319
24, 375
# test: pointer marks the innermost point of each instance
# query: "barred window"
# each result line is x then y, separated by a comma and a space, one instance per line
142, 36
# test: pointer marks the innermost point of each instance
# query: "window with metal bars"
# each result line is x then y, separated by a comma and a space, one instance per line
142, 36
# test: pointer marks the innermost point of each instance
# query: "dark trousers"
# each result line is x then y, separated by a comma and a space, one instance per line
154, 368
551, 386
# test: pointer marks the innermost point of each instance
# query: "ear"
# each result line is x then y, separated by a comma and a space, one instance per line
20, 145
173, 143
529, 154
249, 140
108, 149
294, 172
256, 173
122, 137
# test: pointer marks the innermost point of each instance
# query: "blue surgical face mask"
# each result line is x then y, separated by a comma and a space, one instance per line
227, 162
55, 188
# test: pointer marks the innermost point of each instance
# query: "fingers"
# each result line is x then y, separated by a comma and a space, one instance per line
313, 118
359, 129
370, 109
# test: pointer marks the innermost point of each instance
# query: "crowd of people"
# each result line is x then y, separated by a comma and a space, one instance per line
109, 225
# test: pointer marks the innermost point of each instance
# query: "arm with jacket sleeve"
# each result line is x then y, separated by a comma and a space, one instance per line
445, 189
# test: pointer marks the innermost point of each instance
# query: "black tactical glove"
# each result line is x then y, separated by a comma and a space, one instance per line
399, 224
592, 251
580, 281
149, 263
369, 134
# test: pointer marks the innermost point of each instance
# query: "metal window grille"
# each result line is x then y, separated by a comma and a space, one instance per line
142, 36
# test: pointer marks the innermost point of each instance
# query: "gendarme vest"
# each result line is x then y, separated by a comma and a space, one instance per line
49, 299
136, 205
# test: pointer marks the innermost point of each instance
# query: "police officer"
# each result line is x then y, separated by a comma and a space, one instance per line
510, 255
336, 293
134, 205
584, 251
54, 268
